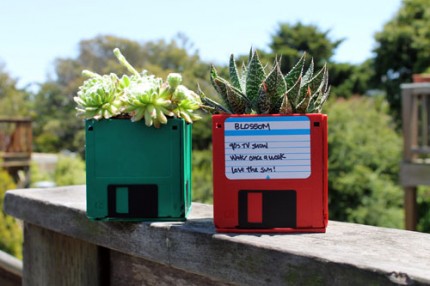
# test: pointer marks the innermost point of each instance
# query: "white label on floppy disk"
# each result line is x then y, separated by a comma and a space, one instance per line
272, 147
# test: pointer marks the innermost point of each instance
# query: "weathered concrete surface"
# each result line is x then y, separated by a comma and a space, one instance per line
348, 254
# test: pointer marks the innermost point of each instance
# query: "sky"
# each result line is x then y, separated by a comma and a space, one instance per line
34, 33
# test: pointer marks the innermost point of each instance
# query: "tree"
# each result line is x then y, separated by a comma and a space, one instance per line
57, 126
364, 155
402, 49
13, 101
55, 123
347, 79
290, 41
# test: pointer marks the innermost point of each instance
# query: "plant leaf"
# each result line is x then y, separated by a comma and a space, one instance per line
286, 107
296, 72
320, 80
322, 100
322, 93
220, 85
308, 74
236, 100
318, 83
305, 98
243, 77
254, 78
234, 74
263, 100
276, 88
293, 94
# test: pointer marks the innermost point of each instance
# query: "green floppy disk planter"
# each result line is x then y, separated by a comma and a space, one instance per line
138, 173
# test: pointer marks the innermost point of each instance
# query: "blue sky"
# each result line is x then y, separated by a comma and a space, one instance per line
34, 33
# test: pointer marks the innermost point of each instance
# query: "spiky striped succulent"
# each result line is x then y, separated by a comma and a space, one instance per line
139, 96
254, 92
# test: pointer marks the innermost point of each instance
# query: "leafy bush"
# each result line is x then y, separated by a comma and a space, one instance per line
11, 236
423, 201
202, 176
69, 170
364, 157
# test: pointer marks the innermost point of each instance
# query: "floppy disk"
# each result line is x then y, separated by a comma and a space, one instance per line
270, 173
137, 173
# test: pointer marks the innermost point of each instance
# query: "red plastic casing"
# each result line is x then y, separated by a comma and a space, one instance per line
310, 193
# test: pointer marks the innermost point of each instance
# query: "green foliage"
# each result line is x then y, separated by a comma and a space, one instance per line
402, 49
98, 96
423, 202
364, 156
137, 96
202, 176
55, 126
291, 41
38, 175
13, 101
347, 80
11, 236
69, 170
254, 92
202, 133
54, 101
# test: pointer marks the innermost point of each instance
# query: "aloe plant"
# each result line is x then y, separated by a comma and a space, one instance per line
138, 96
253, 91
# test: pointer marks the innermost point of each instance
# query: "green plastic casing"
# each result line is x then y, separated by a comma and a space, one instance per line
138, 173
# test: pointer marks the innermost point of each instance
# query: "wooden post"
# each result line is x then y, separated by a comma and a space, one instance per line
16, 147
51, 257
416, 150
10, 270
410, 199
410, 126
409, 122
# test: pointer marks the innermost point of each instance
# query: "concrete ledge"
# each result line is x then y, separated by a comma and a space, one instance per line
348, 254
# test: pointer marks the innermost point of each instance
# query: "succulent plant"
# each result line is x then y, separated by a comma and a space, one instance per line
138, 96
254, 92
97, 97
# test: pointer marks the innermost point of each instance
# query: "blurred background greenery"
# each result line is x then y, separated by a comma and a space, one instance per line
364, 112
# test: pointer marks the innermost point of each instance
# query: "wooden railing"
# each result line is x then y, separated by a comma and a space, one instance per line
416, 122
63, 247
415, 167
16, 147
10, 270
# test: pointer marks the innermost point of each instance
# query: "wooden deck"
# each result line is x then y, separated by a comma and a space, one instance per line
16, 147
415, 167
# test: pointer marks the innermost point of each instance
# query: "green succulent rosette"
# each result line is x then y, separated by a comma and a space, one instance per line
139, 96
98, 96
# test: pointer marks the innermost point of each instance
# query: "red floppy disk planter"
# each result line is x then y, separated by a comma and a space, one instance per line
270, 149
